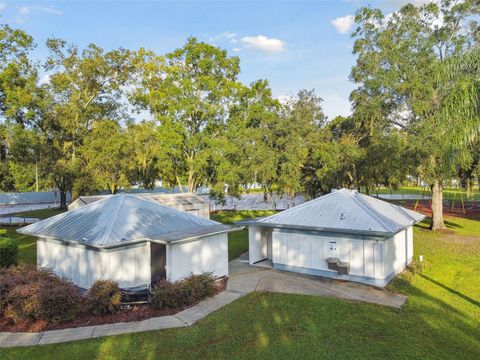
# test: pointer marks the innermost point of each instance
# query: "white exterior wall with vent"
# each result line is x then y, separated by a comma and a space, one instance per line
207, 254
129, 266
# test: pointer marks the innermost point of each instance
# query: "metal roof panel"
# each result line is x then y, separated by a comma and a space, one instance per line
347, 210
121, 218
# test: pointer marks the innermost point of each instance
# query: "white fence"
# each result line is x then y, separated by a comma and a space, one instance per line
50, 197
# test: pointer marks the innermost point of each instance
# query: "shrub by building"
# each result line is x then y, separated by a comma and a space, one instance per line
8, 252
28, 295
103, 298
184, 292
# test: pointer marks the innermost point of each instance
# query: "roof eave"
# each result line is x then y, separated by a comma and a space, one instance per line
139, 240
321, 229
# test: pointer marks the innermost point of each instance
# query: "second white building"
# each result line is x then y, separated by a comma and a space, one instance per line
343, 235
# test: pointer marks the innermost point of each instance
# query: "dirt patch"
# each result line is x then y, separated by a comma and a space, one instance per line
470, 210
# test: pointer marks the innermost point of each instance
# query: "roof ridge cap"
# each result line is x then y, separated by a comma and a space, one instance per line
403, 211
169, 208
298, 206
109, 228
372, 213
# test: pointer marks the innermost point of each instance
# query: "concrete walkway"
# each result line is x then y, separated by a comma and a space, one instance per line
243, 279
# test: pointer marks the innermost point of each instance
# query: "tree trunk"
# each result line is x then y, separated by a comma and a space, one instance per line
63, 200
469, 187
180, 188
437, 206
191, 181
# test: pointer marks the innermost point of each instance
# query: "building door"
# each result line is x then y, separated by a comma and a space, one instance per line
158, 262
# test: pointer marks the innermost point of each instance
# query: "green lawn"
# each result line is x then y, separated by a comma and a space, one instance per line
27, 244
238, 241
41, 213
441, 319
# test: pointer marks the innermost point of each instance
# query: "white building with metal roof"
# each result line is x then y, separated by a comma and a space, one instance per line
188, 202
343, 234
131, 240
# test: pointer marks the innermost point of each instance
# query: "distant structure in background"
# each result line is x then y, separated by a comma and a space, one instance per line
188, 202
343, 235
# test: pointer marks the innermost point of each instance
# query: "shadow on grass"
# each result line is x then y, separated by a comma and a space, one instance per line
451, 224
425, 224
452, 291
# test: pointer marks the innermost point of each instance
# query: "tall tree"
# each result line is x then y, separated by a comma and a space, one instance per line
188, 91
148, 159
83, 87
398, 58
247, 152
108, 155
298, 130
18, 79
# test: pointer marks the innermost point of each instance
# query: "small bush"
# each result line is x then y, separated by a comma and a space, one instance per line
28, 294
185, 292
200, 286
415, 267
60, 301
16, 276
103, 298
8, 252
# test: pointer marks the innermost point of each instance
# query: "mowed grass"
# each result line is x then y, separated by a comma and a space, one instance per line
238, 240
40, 213
28, 244
441, 319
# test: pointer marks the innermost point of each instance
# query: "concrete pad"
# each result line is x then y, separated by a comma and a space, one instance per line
19, 339
246, 283
206, 307
58, 336
245, 278
238, 267
290, 285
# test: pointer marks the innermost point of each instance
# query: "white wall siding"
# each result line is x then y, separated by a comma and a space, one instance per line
398, 251
129, 267
356, 257
310, 250
257, 244
409, 244
207, 254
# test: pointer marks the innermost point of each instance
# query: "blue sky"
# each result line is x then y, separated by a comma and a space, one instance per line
293, 44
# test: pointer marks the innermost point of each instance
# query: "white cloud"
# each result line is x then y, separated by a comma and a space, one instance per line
45, 79
24, 10
343, 24
230, 36
264, 43
335, 104
52, 11
284, 99
3, 6
236, 49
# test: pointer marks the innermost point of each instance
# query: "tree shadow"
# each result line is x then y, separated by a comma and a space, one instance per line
452, 291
